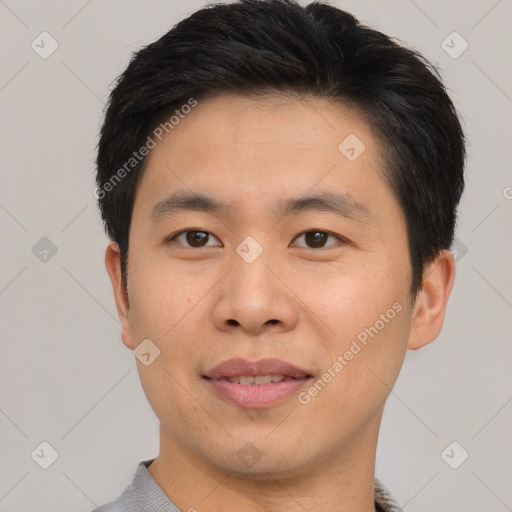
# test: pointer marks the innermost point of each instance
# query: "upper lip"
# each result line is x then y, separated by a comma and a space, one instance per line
266, 366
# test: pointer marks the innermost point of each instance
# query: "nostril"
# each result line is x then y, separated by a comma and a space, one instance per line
232, 322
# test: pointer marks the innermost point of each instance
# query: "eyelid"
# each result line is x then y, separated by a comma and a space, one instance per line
171, 238
328, 233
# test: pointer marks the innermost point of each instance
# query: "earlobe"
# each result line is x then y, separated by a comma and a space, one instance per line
430, 305
113, 266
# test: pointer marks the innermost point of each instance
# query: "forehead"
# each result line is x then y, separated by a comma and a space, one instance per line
245, 149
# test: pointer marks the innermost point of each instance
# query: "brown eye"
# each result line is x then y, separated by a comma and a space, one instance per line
194, 238
316, 239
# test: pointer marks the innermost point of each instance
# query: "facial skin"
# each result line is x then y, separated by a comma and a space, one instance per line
302, 304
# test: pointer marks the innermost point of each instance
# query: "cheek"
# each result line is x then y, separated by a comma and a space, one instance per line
351, 295
164, 301
365, 354
167, 310
366, 321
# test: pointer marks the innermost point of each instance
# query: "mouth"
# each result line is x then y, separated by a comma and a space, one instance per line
255, 384
258, 380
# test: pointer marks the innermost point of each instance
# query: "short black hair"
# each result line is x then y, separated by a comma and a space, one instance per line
255, 47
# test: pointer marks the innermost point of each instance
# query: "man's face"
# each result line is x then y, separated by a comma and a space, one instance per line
307, 285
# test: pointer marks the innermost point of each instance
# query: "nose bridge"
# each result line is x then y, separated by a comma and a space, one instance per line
251, 277
253, 296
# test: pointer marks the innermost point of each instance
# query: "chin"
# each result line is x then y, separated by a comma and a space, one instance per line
264, 470
266, 463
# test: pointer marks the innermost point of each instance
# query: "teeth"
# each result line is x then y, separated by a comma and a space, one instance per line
263, 379
260, 379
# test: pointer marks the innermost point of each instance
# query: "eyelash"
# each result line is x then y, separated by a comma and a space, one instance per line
339, 238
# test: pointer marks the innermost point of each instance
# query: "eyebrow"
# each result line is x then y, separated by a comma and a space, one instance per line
342, 204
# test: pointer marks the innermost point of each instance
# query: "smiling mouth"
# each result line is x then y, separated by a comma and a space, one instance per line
255, 384
256, 391
258, 380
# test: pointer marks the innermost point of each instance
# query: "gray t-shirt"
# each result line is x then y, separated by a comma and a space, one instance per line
144, 495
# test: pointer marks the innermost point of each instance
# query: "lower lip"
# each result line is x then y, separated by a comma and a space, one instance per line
256, 395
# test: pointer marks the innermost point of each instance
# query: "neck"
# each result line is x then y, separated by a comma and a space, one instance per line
342, 482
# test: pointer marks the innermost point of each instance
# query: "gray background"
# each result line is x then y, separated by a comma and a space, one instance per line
65, 376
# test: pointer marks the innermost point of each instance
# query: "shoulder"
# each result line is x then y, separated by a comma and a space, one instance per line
384, 500
142, 494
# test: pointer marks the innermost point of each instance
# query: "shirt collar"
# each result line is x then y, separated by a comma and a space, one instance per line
149, 495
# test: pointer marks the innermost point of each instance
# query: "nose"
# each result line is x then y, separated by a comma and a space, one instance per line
255, 298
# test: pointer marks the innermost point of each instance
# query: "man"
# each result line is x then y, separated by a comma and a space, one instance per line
280, 186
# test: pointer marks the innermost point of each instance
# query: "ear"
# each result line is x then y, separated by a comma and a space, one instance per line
430, 305
113, 266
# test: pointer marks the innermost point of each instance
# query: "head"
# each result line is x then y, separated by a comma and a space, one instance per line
340, 155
